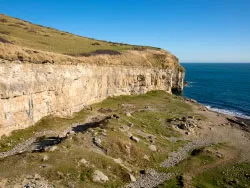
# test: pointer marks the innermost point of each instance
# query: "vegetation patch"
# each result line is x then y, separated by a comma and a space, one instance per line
235, 175
103, 144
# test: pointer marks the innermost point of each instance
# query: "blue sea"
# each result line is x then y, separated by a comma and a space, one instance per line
222, 87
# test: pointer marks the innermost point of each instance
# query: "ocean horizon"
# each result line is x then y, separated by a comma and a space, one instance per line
222, 87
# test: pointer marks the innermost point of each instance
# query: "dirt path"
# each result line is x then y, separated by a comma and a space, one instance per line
152, 178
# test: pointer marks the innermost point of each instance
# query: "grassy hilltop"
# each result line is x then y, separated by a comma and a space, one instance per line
27, 42
34, 36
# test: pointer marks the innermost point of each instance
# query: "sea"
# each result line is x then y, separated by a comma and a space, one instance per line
222, 87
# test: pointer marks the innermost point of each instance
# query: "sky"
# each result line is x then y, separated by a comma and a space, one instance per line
193, 30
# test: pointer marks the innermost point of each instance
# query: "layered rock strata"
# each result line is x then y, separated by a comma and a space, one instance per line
30, 92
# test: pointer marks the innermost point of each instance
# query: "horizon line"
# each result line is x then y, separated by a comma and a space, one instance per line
211, 62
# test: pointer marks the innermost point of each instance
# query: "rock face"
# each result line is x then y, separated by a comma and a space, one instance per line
30, 92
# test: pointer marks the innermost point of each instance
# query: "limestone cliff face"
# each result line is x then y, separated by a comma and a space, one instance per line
30, 92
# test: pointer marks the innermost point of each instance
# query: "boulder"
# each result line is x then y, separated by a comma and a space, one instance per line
130, 124
60, 174
146, 157
99, 177
45, 158
134, 138
118, 161
132, 178
97, 141
128, 114
53, 148
182, 126
83, 162
152, 147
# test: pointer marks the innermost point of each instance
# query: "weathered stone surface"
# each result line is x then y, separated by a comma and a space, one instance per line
128, 114
84, 162
152, 147
53, 148
132, 178
45, 158
28, 92
99, 177
134, 138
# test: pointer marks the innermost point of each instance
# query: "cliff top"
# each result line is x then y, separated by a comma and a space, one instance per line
27, 42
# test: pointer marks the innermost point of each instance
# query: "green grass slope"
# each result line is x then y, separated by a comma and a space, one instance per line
34, 36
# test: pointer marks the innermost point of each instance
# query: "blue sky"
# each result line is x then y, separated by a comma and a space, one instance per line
193, 30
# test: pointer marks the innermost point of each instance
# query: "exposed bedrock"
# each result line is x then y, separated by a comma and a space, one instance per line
30, 92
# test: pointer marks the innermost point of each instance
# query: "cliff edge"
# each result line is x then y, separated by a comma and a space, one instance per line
39, 78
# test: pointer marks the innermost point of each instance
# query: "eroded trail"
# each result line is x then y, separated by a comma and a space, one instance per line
152, 178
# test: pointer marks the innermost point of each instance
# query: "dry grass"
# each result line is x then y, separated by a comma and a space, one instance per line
38, 37
27, 42
145, 58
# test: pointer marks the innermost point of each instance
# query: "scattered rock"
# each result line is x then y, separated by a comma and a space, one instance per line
130, 134
128, 114
45, 158
97, 141
118, 161
104, 133
247, 176
33, 182
43, 165
104, 110
124, 128
146, 157
152, 147
184, 123
128, 106
115, 116
142, 172
71, 132
132, 178
53, 148
127, 147
60, 174
99, 177
182, 126
37, 177
134, 138
83, 162
219, 155
130, 124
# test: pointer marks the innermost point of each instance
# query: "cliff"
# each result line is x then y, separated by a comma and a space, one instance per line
35, 83
31, 91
